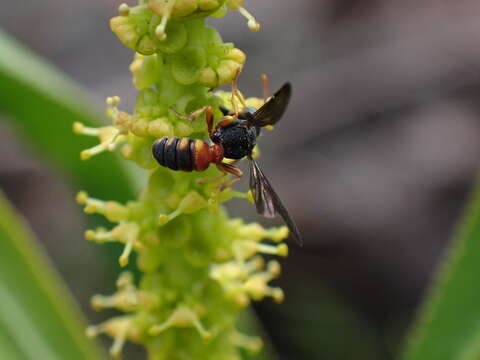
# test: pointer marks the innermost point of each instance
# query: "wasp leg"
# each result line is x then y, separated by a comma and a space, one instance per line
209, 120
228, 119
234, 90
229, 169
225, 121
265, 87
224, 172
183, 116
225, 169
196, 114
236, 94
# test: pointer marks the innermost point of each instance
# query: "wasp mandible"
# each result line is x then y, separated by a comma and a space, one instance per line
233, 137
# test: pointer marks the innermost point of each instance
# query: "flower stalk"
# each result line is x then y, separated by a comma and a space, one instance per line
199, 267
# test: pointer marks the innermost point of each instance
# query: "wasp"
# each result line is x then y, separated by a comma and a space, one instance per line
233, 137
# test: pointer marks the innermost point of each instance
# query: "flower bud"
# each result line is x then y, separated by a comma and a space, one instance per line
146, 70
227, 70
175, 38
188, 64
208, 77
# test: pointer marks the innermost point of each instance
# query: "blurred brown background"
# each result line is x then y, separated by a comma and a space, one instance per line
375, 157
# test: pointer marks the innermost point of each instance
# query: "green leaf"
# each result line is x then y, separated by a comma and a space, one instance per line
448, 327
42, 104
38, 318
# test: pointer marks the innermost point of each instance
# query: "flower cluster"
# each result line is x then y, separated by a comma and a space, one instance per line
199, 267
161, 29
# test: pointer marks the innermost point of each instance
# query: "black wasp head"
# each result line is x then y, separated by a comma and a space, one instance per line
238, 139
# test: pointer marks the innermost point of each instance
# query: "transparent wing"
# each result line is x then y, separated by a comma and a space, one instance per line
272, 111
263, 200
267, 201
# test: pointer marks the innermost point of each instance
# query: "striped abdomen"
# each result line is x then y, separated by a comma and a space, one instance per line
186, 154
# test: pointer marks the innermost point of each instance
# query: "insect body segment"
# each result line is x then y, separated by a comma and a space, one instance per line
237, 139
186, 154
233, 137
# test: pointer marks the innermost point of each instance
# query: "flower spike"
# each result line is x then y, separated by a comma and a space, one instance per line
199, 271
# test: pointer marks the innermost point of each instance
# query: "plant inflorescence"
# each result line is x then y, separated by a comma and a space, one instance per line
199, 267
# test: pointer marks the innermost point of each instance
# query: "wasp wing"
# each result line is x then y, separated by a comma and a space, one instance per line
263, 200
273, 109
267, 201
